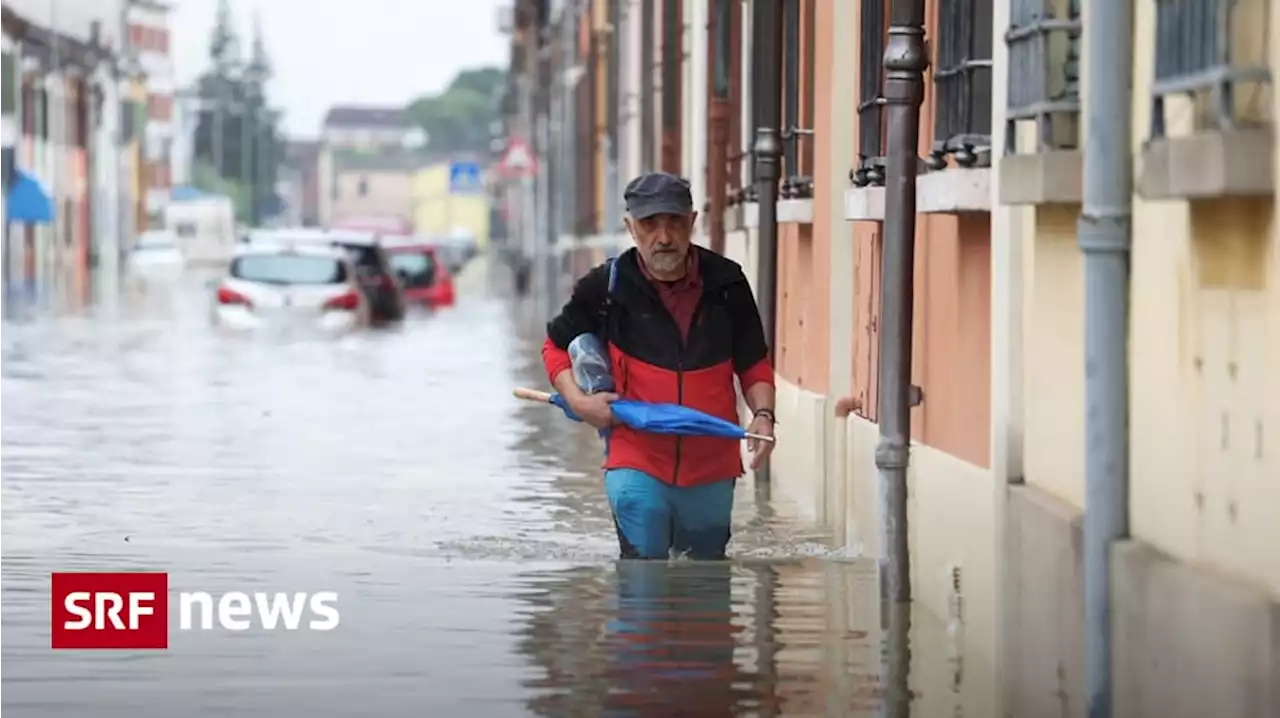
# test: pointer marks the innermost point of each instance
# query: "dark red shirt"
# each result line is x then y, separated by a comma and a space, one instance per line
681, 296
681, 300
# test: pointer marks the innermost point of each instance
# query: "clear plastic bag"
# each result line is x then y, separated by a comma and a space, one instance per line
591, 369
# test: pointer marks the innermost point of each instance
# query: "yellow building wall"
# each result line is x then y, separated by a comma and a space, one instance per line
438, 212
1053, 354
1205, 360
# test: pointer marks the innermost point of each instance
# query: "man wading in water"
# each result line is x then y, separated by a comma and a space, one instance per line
680, 323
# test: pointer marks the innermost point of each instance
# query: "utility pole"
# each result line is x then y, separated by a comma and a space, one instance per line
767, 68
245, 112
905, 61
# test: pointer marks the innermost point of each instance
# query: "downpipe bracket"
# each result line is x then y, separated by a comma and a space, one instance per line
1104, 233
892, 454
915, 396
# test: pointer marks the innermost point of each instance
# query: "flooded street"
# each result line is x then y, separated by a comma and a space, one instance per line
466, 534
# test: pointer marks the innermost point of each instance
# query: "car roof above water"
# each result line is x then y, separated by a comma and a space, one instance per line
415, 242
286, 246
313, 235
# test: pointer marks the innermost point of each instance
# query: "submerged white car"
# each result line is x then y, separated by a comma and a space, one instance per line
286, 286
156, 255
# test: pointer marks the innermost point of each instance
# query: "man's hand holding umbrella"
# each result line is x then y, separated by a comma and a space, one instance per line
591, 408
760, 450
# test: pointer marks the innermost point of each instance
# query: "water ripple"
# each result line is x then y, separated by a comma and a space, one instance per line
465, 532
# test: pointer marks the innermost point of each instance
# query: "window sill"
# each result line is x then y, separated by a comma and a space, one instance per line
954, 190
795, 210
1054, 177
864, 204
1209, 164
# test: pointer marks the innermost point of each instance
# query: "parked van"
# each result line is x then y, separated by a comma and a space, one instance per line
205, 227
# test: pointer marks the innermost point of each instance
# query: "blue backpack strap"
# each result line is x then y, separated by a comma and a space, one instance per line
607, 304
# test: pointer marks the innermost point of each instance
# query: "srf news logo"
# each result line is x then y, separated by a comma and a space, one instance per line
131, 611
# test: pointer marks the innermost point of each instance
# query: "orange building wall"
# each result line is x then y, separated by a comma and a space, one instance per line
804, 323
951, 352
804, 250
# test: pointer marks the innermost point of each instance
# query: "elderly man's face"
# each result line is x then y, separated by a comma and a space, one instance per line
664, 240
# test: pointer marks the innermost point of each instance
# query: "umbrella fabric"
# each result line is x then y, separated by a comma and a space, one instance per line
663, 419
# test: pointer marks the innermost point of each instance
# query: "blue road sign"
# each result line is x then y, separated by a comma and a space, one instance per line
464, 177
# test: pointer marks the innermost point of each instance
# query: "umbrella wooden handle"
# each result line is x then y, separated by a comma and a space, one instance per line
761, 437
532, 395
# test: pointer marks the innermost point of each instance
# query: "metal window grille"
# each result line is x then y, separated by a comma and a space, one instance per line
797, 79
1044, 72
1195, 52
870, 170
962, 119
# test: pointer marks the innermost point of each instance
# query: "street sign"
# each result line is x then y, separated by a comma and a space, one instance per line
518, 160
465, 177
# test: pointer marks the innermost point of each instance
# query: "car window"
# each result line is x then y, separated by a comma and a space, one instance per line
414, 263
417, 269
364, 257
289, 269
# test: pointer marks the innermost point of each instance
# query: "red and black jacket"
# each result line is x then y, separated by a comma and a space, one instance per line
652, 362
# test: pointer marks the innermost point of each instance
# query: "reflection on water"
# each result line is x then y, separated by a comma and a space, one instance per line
767, 638
466, 533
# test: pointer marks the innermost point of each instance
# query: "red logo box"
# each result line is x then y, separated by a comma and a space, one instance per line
124, 611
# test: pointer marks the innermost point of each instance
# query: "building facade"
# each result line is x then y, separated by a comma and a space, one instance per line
149, 38
364, 187
997, 489
350, 134
439, 211
64, 81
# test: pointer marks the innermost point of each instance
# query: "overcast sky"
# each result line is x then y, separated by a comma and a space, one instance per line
327, 52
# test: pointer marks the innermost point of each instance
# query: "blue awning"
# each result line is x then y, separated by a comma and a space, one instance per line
27, 201
185, 193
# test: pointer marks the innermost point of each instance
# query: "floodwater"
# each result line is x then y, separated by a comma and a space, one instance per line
464, 532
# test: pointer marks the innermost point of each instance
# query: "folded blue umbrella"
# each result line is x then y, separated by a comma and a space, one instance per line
591, 372
671, 419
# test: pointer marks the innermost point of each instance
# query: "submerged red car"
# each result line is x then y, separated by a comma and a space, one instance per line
424, 277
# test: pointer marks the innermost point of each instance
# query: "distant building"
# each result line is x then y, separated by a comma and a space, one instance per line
365, 186
373, 137
370, 128
149, 39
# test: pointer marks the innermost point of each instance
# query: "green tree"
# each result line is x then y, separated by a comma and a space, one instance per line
458, 119
237, 136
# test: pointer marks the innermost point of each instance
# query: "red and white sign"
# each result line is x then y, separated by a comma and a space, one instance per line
130, 611
518, 160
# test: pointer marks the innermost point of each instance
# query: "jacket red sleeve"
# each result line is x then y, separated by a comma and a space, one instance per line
761, 371
555, 360
580, 315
